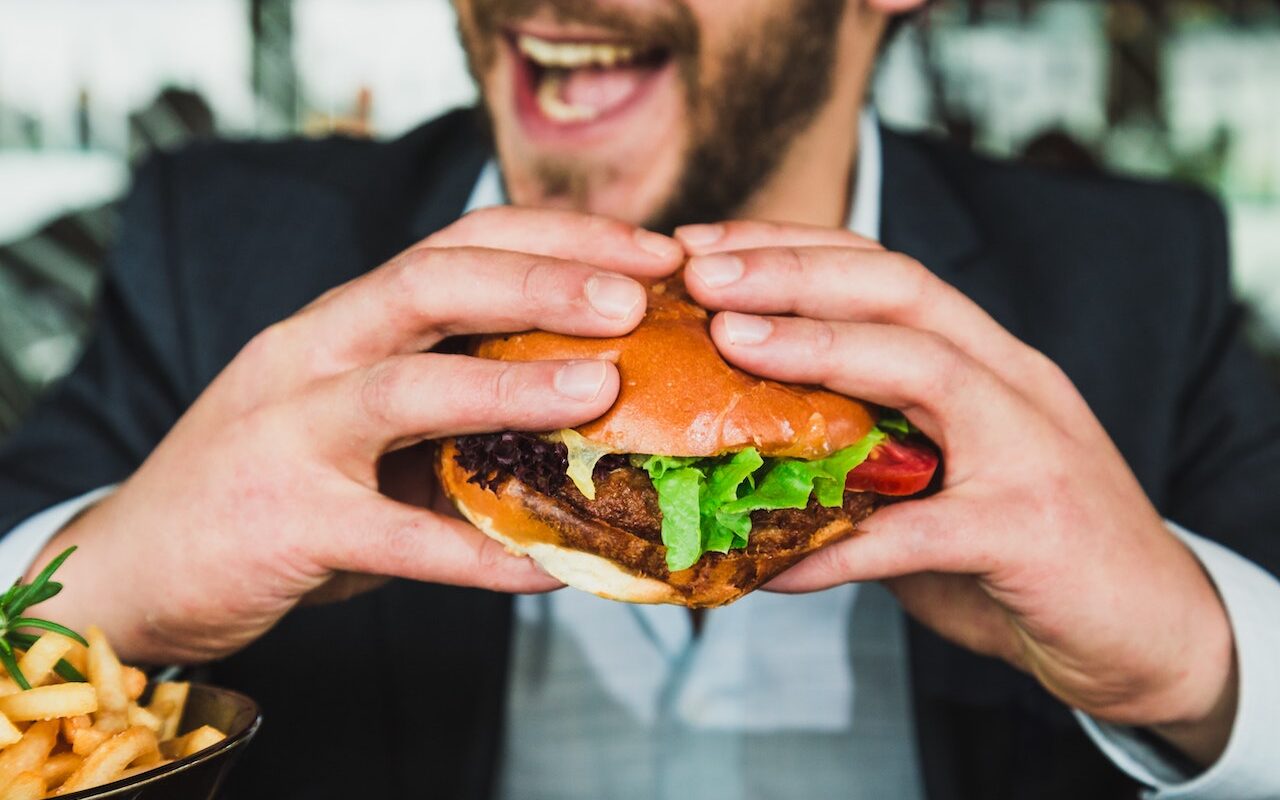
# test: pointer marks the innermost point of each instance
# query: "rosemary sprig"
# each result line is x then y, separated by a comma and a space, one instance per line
18, 599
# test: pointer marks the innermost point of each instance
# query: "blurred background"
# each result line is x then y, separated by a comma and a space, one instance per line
1182, 90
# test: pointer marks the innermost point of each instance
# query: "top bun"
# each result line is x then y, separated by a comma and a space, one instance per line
678, 397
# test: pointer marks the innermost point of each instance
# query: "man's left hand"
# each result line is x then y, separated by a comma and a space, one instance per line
1041, 547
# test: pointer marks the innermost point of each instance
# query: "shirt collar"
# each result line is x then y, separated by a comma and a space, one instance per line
864, 208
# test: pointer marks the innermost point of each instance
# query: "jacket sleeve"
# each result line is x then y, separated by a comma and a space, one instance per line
1225, 476
96, 426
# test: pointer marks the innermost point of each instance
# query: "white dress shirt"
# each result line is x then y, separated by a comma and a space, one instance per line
745, 676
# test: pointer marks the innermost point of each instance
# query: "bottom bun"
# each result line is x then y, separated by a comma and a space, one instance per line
590, 573
594, 556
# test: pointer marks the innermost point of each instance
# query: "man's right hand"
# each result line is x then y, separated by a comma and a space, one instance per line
267, 489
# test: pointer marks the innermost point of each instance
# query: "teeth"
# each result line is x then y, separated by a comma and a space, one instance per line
572, 55
554, 108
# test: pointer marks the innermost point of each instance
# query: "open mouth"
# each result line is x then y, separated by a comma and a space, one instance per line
576, 83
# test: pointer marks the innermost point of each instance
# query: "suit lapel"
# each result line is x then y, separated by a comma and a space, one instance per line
924, 215
444, 185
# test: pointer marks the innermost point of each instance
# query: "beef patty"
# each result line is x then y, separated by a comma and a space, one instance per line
625, 497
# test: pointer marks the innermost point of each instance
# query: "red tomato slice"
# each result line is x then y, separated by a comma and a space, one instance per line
894, 468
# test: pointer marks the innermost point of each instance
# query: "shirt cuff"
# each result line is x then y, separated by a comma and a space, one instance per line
1249, 767
22, 546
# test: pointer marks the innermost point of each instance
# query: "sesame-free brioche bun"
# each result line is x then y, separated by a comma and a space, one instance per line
678, 397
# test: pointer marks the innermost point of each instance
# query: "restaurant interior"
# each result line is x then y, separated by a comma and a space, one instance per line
1181, 90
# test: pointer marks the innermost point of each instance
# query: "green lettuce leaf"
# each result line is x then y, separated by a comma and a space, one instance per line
895, 422
789, 482
657, 466
707, 502
727, 478
678, 497
725, 484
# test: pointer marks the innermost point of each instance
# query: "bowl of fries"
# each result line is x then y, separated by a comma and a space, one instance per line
76, 723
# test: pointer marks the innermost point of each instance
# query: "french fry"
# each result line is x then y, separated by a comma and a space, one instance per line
111, 722
200, 738
78, 657
109, 734
140, 716
168, 701
107, 676
50, 702
72, 724
141, 768
38, 662
110, 759
135, 683
29, 752
152, 759
86, 740
193, 742
25, 786
58, 767
9, 732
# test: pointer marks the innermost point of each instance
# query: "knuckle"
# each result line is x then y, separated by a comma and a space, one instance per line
504, 386
1047, 370
540, 279
409, 272
381, 390
491, 558
269, 344
737, 230
916, 282
486, 216
824, 345
945, 362
416, 290
792, 265
606, 226
823, 337
477, 219
400, 542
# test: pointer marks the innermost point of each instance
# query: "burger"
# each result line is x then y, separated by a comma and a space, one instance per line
698, 485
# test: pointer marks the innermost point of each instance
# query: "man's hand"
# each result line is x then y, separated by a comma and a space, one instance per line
268, 488
1041, 548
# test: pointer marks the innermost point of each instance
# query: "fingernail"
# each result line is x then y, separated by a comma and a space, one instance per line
581, 380
746, 329
719, 269
699, 235
658, 245
613, 296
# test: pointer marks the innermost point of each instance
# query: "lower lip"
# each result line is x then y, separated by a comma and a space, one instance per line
539, 126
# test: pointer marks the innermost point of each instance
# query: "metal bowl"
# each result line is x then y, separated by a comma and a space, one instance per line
200, 776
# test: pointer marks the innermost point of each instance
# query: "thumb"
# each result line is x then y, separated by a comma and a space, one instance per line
404, 541
901, 539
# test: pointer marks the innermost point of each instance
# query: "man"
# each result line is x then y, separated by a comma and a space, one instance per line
249, 425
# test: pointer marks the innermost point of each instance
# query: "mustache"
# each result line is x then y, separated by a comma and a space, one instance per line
670, 27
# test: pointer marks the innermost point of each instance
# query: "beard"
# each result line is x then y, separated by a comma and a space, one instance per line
744, 106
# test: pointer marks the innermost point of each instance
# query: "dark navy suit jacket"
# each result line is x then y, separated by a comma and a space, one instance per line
1124, 284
